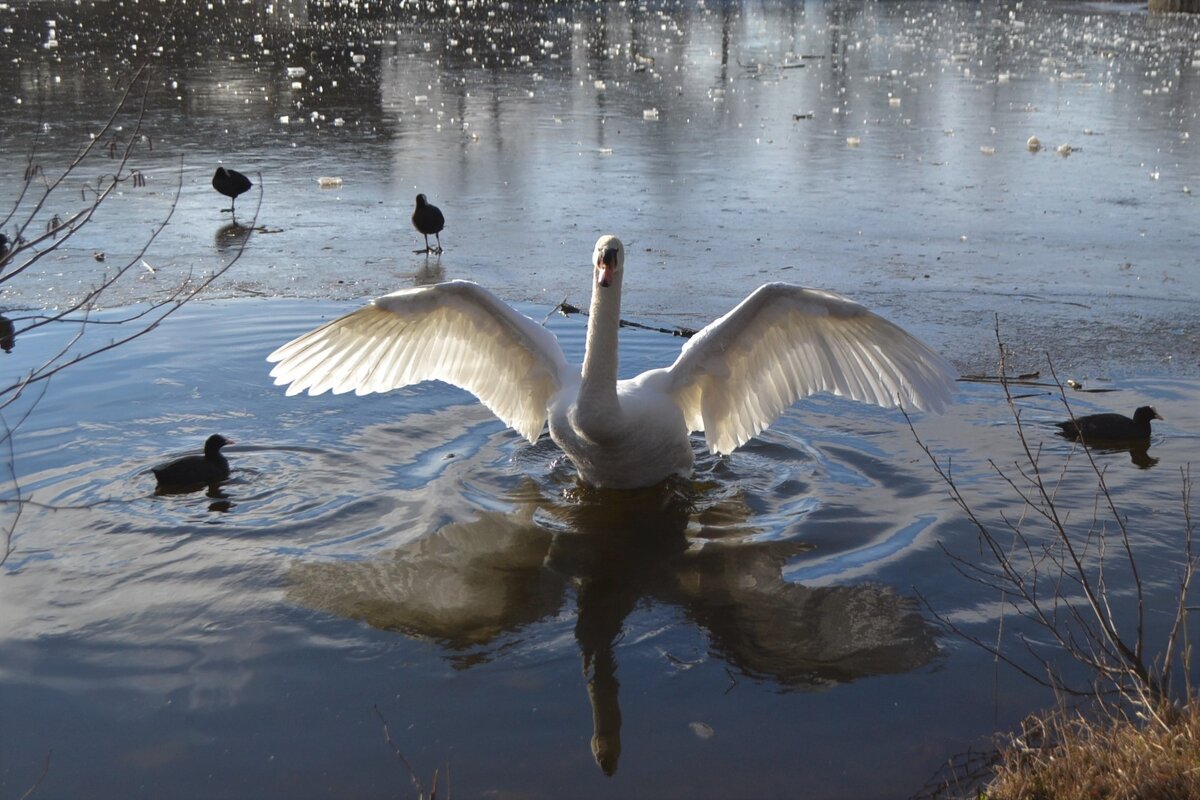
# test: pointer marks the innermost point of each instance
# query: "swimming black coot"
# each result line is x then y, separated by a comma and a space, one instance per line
208, 469
427, 218
1110, 427
230, 183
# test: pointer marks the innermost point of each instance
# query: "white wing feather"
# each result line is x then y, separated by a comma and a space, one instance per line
783, 342
457, 332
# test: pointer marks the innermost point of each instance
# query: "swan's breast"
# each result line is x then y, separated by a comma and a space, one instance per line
640, 441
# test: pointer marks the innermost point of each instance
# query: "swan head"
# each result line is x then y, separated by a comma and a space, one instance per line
608, 259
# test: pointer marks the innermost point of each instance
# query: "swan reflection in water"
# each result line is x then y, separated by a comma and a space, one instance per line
467, 584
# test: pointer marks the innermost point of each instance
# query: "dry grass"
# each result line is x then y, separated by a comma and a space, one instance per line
1064, 756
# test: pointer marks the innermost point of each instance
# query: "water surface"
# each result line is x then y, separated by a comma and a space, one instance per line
755, 631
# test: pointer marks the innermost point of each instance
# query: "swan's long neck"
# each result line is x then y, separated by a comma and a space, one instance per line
599, 382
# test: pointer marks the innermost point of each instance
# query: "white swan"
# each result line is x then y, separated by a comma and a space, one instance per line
732, 379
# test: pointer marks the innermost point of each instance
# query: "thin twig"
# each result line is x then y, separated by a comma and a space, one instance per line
566, 309
399, 756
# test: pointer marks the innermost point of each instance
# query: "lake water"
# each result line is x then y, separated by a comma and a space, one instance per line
756, 632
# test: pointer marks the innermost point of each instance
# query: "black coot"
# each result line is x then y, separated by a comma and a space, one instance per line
230, 183
206, 470
1110, 427
427, 219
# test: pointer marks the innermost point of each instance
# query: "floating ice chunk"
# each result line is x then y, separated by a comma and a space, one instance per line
296, 72
650, 113
894, 102
284, 119
853, 141
338, 122
600, 86
358, 58
329, 182
421, 98
297, 85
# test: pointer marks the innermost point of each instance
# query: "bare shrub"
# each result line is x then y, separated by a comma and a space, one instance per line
51, 206
1135, 733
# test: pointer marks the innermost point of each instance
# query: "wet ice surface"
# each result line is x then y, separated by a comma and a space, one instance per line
407, 552
879, 151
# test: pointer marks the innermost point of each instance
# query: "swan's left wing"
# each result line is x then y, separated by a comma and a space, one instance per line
783, 342
457, 332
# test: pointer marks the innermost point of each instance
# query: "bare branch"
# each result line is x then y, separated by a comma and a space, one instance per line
1054, 571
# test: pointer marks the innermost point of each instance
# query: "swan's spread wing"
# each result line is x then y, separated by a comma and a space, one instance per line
783, 343
455, 332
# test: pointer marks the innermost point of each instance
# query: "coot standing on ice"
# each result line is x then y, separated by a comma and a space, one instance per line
1096, 428
427, 218
193, 471
230, 183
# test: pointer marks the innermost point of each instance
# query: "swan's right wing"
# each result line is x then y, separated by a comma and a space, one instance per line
457, 332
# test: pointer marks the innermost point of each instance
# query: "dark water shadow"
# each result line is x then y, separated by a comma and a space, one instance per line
231, 236
1137, 449
221, 502
430, 272
471, 586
